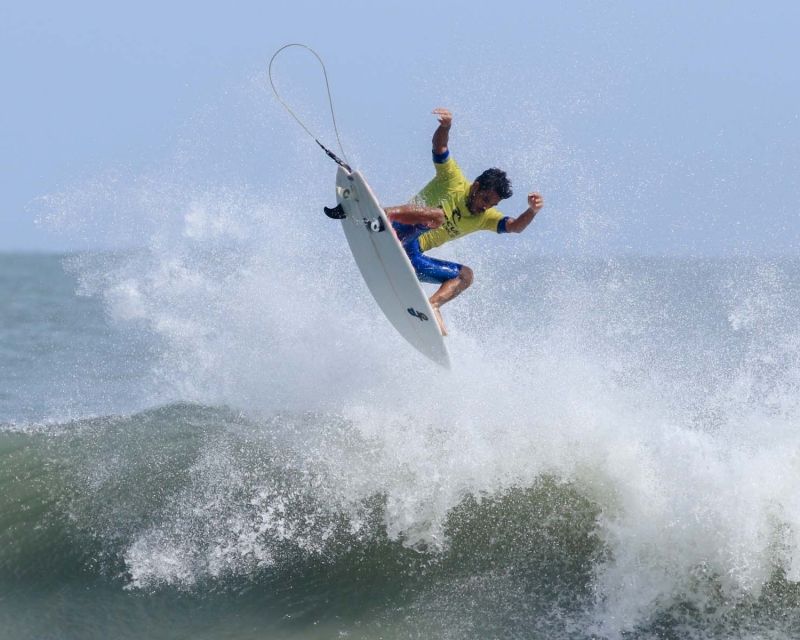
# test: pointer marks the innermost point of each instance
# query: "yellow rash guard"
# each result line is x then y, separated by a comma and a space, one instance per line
449, 190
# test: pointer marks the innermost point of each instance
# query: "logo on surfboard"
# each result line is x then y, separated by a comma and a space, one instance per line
418, 314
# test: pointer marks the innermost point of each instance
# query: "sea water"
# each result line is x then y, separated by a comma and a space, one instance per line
221, 439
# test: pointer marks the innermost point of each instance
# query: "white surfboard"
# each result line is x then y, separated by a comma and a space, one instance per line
386, 268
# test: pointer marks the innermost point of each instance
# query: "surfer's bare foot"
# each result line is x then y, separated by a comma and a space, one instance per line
439, 320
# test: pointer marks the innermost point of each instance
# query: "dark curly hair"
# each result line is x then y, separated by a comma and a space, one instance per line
496, 180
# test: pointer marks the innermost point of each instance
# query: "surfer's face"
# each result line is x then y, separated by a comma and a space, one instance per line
479, 200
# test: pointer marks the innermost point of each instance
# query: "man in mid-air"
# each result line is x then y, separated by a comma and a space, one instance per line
450, 207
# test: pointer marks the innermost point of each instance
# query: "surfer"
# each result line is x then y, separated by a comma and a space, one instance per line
450, 207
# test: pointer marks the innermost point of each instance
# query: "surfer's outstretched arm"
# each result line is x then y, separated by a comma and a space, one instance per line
518, 225
431, 217
441, 137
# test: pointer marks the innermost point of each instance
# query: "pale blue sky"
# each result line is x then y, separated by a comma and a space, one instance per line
660, 127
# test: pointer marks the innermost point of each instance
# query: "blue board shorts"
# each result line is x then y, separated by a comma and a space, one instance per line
428, 269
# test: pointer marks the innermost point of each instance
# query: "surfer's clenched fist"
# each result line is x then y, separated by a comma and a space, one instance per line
535, 202
445, 117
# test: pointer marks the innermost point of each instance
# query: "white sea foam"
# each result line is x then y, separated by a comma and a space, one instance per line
696, 476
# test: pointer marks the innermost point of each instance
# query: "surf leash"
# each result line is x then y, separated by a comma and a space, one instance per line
342, 163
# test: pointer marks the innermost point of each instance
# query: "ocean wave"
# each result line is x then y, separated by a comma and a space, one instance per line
292, 508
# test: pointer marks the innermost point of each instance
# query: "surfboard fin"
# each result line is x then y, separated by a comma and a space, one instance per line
337, 213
